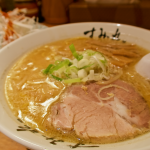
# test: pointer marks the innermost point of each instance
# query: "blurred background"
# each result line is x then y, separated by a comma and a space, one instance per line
54, 12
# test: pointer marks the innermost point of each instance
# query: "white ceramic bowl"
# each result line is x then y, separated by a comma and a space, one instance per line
9, 124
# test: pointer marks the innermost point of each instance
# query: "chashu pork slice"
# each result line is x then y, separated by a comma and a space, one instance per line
121, 116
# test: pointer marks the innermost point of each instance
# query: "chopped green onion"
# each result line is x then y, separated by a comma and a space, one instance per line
70, 63
56, 78
103, 61
71, 68
60, 65
87, 66
74, 53
79, 69
72, 80
46, 71
90, 52
103, 57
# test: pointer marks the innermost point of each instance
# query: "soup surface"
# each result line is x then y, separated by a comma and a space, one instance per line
31, 94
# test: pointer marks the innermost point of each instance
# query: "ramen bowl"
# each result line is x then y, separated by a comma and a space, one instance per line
15, 128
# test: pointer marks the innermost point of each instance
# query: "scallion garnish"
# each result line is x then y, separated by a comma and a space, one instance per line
59, 65
56, 78
103, 61
72, 80
89, 65
46, 71
74, 53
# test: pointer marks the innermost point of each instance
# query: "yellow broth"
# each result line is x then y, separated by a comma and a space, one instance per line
30, 94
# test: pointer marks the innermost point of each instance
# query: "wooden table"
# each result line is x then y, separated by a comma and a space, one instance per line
7, 143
